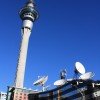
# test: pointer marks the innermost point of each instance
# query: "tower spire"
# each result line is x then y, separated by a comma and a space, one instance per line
31, 1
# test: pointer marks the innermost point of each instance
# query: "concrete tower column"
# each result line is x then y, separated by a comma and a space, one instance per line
28, 14
22, 58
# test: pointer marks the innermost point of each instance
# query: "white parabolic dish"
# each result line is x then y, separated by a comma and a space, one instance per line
79, 68
87, 76
70, 79
60, 82
41, 81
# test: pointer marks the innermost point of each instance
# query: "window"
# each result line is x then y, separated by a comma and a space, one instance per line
16, 96
20, 93
20, 97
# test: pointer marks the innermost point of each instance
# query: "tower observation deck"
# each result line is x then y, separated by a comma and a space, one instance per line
28, 14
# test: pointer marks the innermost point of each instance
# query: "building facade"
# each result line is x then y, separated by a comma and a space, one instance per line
18, 93
74, 90
3, 95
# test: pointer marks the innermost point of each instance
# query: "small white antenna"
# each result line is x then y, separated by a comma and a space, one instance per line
45, 88
63, 74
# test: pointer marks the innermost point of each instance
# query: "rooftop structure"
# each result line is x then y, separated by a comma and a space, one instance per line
72, 90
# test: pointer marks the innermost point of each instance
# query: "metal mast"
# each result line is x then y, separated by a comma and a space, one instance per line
28, 14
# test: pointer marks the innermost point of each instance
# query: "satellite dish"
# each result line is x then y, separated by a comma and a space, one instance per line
87, 76
79, 68
60, 82
29, 89
70, 79
41, 81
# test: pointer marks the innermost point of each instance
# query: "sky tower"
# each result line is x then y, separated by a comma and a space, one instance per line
28, 14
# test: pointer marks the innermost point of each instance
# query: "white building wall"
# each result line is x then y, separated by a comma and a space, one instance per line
3, 96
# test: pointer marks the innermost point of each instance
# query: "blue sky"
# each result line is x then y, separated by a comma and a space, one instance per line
66, 31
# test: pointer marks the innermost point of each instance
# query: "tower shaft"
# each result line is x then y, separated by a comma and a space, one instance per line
19, 81
28, 14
